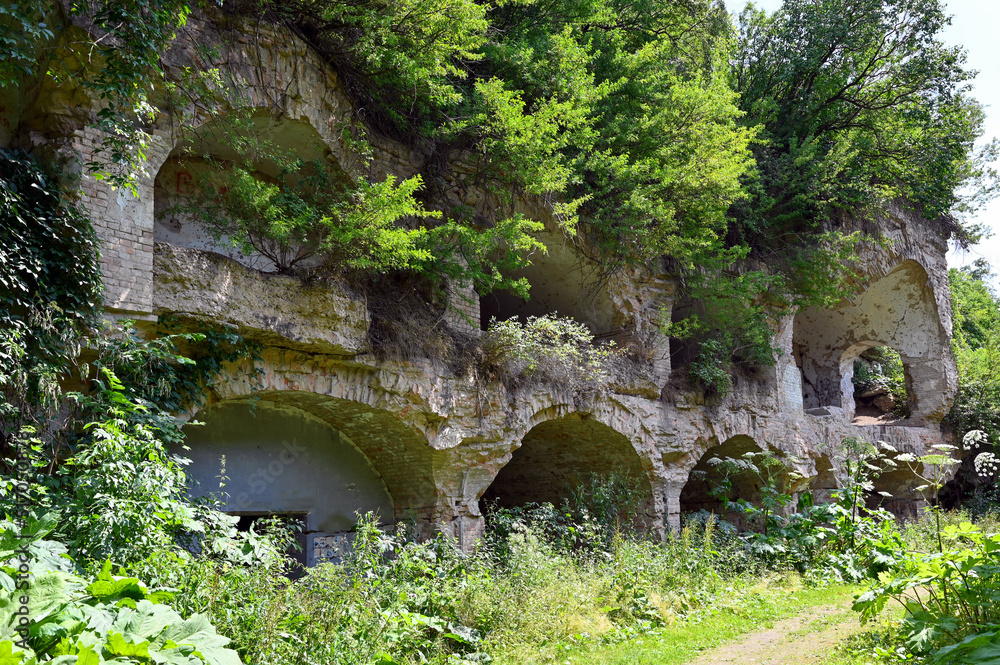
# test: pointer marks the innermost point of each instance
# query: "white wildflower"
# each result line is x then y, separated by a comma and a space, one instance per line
886, 446
973, 439
987, 464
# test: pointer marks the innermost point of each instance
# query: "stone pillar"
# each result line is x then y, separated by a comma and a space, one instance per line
463, 308
459, 487
787, 370
672, 488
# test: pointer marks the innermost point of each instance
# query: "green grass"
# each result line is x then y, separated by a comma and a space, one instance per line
739, 612
858, 649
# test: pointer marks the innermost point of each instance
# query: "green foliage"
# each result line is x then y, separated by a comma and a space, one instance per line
307, 216
393, 600
612, 500
549, 348
117, 64
23, 29
401, 61
597, 511
313, 224
950, 596
50, 289
100, 457
977, 349
840, 541
622, 109
736, 304
861, 103
107, 619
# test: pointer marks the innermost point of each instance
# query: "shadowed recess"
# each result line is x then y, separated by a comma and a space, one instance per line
697, 492
558, 454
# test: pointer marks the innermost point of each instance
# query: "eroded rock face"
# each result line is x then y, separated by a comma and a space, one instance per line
273, 309
440, 439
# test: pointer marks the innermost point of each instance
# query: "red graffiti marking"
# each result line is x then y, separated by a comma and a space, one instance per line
185, 183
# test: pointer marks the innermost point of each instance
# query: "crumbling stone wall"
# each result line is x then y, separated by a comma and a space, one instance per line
898, 310
437, 438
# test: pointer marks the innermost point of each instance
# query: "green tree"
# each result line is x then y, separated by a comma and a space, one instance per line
976, 343
116, 62
860, 104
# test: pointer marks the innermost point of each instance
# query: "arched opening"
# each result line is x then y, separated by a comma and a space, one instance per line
896, 490
329, 459
878, 393
264, 459
562, 282
898, 312
705, 488
559, 455
265, 142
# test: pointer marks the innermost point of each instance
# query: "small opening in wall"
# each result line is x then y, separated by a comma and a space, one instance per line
879, 383
259, 522
563, 283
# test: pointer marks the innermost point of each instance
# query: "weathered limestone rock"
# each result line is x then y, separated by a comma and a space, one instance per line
272, 309
439, 439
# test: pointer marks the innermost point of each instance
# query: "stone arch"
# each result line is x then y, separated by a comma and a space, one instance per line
188, 161
560, 452
846, 368
896, 491
898, 310
563, 282
697, 491
281, 459
398, 451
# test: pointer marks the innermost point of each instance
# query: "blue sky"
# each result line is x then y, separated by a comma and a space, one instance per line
974, 26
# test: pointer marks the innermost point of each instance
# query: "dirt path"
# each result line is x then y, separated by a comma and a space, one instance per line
800, 640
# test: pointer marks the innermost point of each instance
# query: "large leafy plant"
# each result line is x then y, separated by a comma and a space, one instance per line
950, 596
73, 619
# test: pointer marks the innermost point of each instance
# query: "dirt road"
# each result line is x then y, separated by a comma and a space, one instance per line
805, 639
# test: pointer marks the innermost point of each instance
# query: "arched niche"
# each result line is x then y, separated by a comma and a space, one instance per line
896, 490
705, 477
556, 455
399, 454
860, 413
266, 458
211, 147
898, 311
562, 282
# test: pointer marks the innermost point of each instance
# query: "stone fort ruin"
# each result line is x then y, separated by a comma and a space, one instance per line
332, 430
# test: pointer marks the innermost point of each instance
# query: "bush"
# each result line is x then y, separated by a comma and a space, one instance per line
549, 349
949, 596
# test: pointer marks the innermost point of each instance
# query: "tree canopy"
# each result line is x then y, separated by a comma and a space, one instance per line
860, 102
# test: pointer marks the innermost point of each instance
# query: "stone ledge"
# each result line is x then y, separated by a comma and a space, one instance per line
272, 309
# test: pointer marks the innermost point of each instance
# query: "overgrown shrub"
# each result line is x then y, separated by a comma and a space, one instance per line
548, 349
74, 619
